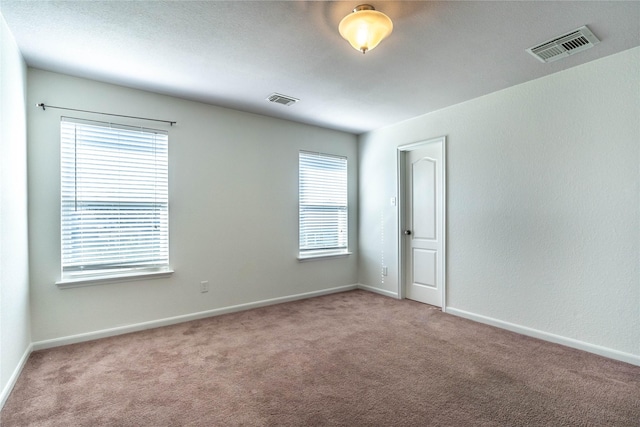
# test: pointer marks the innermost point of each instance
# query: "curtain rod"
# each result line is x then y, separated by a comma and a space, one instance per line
41, 104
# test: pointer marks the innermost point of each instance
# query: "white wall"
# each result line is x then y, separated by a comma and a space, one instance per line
543, 221
15, 338
233, 210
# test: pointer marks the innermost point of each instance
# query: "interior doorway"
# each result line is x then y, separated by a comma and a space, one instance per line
422, 209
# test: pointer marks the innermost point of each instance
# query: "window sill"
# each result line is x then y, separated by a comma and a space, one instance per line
113, 278
322, 255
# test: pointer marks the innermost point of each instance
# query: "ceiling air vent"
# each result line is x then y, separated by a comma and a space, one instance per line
564, 45
282, 99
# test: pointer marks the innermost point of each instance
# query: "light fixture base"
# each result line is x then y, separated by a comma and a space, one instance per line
363, 7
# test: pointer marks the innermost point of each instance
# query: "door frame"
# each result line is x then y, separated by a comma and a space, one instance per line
401, 209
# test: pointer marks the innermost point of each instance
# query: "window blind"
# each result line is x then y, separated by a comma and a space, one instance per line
323, 210
114, 199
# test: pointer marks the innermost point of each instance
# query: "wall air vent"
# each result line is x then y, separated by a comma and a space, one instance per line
564, 45
282, 99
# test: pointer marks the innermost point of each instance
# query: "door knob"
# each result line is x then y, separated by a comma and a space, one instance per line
407, 232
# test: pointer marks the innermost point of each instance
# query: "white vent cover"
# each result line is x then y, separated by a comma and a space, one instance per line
282, 99
564, 45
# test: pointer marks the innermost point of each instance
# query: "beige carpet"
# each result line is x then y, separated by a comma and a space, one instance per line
349, 359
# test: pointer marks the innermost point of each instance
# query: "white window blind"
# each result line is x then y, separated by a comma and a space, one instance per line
114, 210
323, 210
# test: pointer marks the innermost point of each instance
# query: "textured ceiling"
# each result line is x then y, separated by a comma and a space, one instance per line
235, 53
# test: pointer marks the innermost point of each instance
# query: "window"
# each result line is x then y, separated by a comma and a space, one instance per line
114, 207
323, 212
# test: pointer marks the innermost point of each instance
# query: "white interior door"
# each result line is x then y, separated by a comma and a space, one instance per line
424, 237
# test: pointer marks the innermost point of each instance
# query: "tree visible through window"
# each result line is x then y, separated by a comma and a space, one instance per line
114, 199
323, 210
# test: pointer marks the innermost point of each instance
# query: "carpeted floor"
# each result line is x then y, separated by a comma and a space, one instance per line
349, 359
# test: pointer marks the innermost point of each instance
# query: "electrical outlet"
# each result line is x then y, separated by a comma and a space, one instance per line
204, 286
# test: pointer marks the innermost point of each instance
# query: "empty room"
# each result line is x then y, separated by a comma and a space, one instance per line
291, 213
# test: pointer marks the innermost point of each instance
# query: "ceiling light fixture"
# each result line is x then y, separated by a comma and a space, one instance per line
365, 27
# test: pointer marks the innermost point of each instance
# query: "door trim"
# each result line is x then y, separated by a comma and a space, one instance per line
401, 210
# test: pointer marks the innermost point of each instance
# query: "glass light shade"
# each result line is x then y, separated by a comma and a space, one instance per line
365, 28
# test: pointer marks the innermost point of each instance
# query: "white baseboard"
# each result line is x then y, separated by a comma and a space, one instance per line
378, 291
6, 391
89, 336
546, 336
